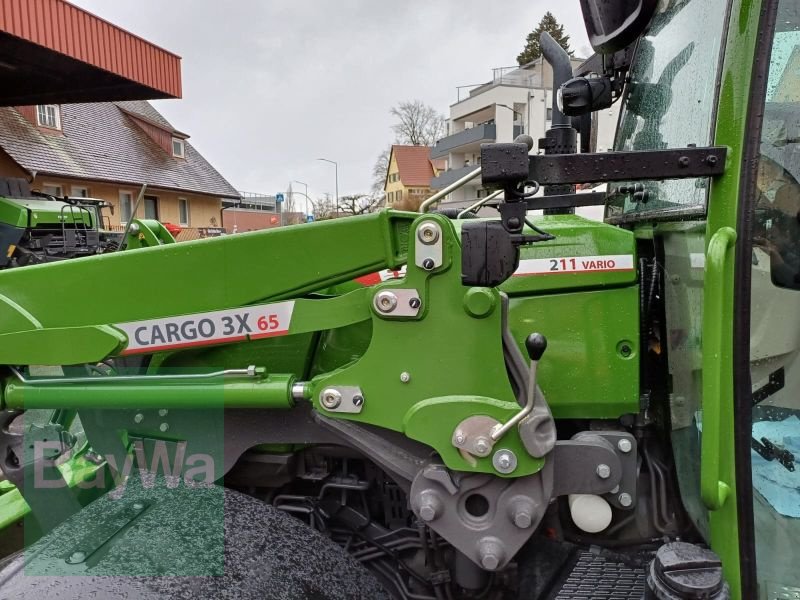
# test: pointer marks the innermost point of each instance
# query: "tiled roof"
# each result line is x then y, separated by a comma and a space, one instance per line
101, 143
414, 165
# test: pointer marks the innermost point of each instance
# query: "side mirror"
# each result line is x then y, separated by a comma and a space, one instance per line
613, 24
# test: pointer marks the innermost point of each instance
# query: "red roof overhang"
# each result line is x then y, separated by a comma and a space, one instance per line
54, 52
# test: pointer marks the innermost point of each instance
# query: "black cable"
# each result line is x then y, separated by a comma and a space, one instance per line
547, 236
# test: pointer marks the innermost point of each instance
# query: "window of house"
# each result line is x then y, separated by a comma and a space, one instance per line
178, 148
549, 113
125, 206
79, 191
183, 212
398, 195
48, 115
151, 207
52, 189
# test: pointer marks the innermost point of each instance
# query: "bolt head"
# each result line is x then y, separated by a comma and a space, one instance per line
358, 400
428, 233
385, 301
428, 264
77, 557
491, 553
331, 398
504, 461
138, 506
405, 377
625, 499
522, 519
163, 412
603, 471
624, 445
163, 427
414, 303
138, 418
482, 447
459, 437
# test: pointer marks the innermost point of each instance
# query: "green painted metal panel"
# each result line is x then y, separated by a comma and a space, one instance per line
575, 259
586, 373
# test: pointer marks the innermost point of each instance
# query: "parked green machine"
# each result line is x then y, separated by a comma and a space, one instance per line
537, 407
37, 228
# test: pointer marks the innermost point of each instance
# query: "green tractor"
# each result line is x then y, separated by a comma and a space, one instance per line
38, 228
429, 406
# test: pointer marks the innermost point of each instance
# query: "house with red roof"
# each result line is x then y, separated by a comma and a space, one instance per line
408, 179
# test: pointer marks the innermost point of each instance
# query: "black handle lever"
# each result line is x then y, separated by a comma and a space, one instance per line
535, 344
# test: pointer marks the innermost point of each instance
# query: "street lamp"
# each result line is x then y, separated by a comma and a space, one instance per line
336, 165
306, 195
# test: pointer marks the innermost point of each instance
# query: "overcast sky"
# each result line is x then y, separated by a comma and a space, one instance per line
269, 86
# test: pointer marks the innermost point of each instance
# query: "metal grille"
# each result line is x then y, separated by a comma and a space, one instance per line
597, 578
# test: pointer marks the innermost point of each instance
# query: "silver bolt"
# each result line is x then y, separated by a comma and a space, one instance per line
133, 229
164, 426
77, 557
504, 461
603, 471
138, 506
414, 303
625, 499
430, 506
405, 377
459, 438
428, 232
624, 445
138, 418
615, 489
482, 447
522, 510
491, 553
331, 398
385, 301
358, 400
163, 412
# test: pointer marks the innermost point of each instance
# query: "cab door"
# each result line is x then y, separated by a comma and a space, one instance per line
766, 337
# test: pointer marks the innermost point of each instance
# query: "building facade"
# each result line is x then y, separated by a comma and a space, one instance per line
408, 178
517, 100
109, 150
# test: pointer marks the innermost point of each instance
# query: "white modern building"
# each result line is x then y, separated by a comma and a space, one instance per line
517, 100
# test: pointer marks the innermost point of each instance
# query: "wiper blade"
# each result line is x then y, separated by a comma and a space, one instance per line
770, 451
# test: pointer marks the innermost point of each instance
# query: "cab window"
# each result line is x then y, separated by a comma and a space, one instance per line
670, 102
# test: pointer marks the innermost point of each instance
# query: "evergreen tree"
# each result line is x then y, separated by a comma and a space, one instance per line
533, 49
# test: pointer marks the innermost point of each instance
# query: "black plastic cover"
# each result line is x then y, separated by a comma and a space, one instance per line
504, 164
488, 255
613, 24
682, 571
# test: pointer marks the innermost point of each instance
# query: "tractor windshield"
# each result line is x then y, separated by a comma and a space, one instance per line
670, 101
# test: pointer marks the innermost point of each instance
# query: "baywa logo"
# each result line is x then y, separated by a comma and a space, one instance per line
165, 458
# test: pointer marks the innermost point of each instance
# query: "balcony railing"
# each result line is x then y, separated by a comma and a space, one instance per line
447, 177
474, 135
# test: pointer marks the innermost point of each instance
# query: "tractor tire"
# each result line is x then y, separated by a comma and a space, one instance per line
189, 542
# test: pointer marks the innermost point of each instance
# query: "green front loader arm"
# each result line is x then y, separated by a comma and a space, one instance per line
447, 337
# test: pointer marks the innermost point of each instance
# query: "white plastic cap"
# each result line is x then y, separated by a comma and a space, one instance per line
590, 513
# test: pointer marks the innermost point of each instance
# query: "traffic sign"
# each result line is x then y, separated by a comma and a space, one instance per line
278, 197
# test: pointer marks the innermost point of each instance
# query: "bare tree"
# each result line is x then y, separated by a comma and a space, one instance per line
324, 208
359, 204
379, 170
417, 123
